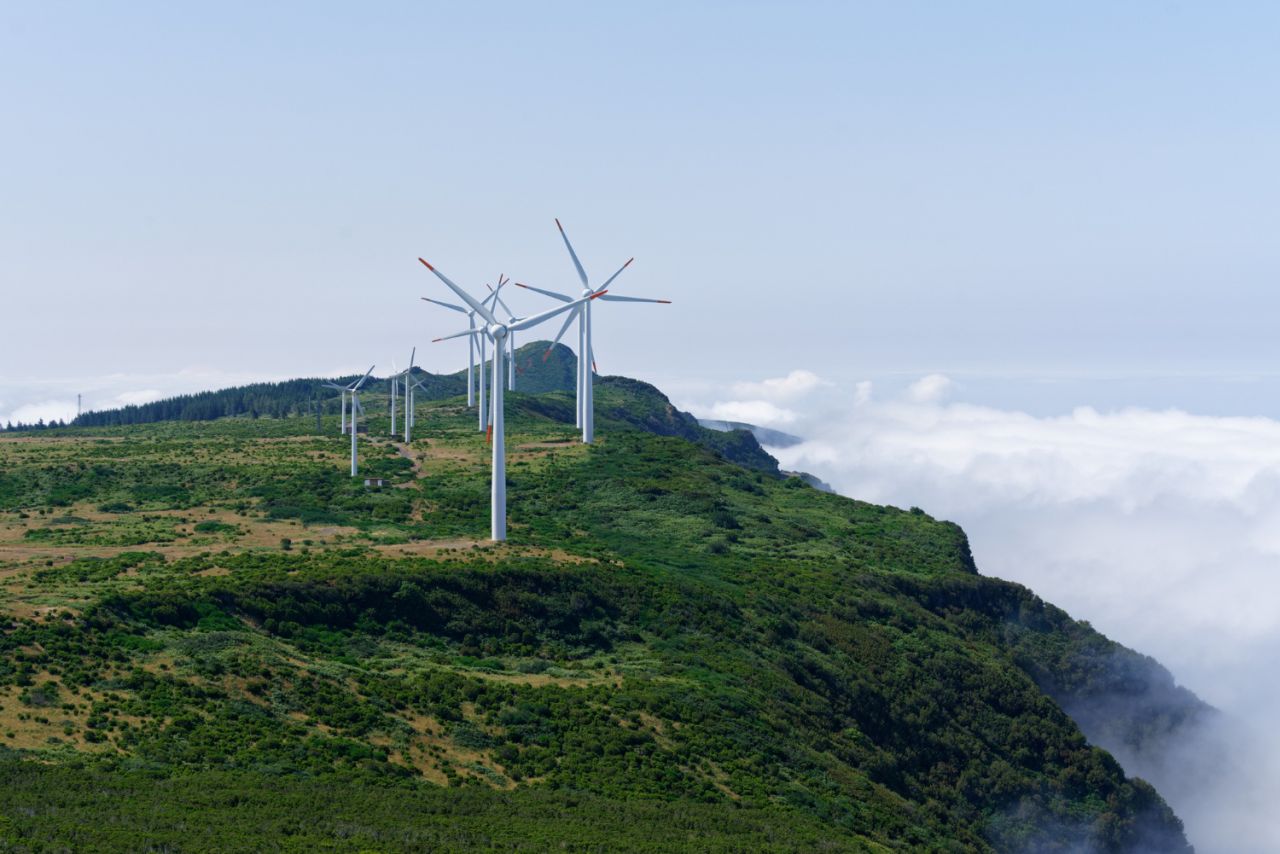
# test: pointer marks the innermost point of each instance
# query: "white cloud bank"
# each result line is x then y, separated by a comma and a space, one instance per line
1162, 528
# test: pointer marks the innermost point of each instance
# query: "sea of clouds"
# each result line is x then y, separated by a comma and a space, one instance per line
1161, 528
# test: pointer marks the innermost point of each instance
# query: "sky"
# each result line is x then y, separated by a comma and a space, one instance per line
1009, 262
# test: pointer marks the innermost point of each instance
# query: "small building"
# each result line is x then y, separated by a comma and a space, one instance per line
375, 483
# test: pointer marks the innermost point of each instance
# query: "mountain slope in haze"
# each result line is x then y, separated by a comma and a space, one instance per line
212, 638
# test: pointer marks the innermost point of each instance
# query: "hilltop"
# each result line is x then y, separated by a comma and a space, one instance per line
211, 638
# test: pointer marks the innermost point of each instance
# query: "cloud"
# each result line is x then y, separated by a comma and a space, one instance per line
928, 389
43, 410
759, 403
759, 412
1161, 527
793, 386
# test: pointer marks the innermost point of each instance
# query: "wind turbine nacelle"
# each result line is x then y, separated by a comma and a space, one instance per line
497, 331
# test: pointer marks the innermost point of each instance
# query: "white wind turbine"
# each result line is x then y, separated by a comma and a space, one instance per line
396, 378
586, 355
498, 332
356, 409
342, 390
473, 346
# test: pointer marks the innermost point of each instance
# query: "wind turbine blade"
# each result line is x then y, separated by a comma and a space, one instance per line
412, 353
609, 281
582, 274
567, 321
612, 298
472, 331
535, 319
551, 294
505, 308
463, 295
448, 305
362, 379
335, 386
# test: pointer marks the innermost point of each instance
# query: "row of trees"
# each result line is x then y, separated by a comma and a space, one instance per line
275, 400
11, 427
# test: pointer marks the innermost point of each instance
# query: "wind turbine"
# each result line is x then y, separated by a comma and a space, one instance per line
356, 409
342, 425
410, 411
408, 398
394, 382
586, 355
473, 347
498, 332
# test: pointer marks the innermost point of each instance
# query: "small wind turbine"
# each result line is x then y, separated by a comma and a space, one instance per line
354, 391
586, 355
408, 398
394, 382
498, 332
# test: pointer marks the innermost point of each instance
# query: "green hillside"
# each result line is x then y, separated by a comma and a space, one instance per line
212, 639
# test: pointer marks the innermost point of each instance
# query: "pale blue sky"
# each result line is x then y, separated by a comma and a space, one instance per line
1027, 199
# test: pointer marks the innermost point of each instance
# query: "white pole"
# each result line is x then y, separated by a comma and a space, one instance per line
408, 408
498, 485
511, 368
484, 414
471, 365
577, 392
588, 382
395, 386
354, 403
342, 425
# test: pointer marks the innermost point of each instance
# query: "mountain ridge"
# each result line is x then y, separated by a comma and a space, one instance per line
669, 623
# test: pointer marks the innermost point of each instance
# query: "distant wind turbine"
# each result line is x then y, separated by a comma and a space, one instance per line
406, 375
498, 332
342, 390
586, 354
354, 391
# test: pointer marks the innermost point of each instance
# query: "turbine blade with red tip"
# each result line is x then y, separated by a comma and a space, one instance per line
615, 275
479, 307
612, 298
552, 294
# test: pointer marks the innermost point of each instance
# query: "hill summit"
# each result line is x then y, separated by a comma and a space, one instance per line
212, 638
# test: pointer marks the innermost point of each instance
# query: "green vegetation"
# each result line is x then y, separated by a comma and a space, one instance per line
211, 638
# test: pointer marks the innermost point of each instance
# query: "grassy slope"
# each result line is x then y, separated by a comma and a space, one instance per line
674, 651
